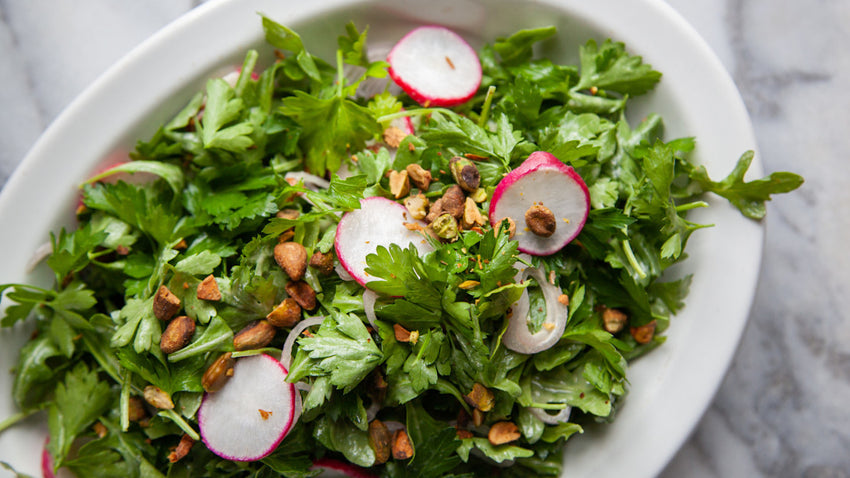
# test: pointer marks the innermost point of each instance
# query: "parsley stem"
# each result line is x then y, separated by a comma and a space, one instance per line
630, 255
691, 205
485, 109
124, 400
178, 420
408, 113
17, 417
340, 75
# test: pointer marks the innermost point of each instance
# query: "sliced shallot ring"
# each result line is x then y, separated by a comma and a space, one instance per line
560, 417
286, 353
309, 180
518, 337
369, 298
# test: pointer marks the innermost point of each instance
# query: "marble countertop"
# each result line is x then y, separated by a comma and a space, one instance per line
780, 412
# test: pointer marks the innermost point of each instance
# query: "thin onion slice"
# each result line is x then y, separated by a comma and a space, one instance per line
286, 353
560, 417
369, 298
518, 337
311, 181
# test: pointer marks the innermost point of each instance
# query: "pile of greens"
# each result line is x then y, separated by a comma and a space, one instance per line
219, 166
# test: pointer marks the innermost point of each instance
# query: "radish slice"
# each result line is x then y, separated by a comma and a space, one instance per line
560, 417
542, 181
435, 66
252, 413
336, 468
378, 222
518, 337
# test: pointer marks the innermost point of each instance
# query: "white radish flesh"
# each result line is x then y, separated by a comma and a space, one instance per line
252, 413
378, 222
542, 180
435, 66
518, 337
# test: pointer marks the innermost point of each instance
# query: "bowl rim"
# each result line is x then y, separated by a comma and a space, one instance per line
27, 185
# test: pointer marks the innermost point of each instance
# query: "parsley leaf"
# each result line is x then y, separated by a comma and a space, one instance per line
221, 111
609, 67
80, 399
331, 128
341, 349
748, 196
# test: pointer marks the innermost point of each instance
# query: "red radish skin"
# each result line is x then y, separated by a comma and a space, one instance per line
378, 222
542, 179
435, 67
249, 417
341, 468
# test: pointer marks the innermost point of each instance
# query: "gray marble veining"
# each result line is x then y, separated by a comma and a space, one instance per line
781, 411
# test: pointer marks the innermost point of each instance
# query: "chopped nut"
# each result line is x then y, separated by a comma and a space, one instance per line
434, 211
564, 299
402, 450
288, 214
380, 439
265, 414
302, 293
137, 410
464, 434
445, 227
540, 220
181, 245
393, 136
503, 432
322, 262
468, 284
399, 184
292, 258
419, 176
453, 201
401, 334
177, 335
477, 417
122, 250
217, 374
417, 206
465, 173
471, 215
255, 335
182, 449
287, 314
165, 304
511, 226
208, 289
480, 397
644, 333
479, 196
100, 429
613, 320
158, 398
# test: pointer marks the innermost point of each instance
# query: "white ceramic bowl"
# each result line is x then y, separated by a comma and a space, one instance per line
670, 388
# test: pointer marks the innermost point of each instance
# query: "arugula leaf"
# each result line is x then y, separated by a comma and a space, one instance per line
748, 196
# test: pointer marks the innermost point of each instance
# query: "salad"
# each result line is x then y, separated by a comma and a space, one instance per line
437, 263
